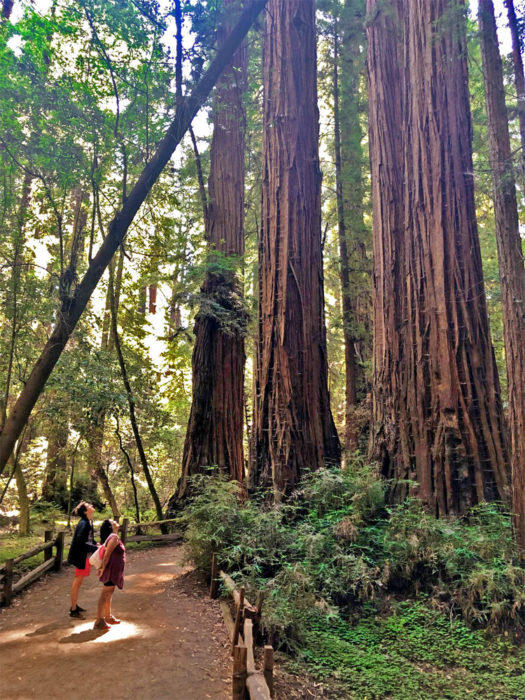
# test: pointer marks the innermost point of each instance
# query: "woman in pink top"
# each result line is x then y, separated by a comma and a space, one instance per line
111, 572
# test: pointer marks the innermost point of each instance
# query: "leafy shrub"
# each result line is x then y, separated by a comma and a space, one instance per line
337, 546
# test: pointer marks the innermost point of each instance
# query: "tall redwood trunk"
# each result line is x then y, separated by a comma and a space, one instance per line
294, 428
510, 255
389, 430
215, 430
519, 78
446, 417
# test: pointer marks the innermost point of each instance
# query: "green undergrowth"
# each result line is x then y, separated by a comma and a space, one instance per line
411, 652
387, 601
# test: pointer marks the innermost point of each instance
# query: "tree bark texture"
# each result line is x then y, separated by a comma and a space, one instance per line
72, 308
294, 428
510, 254
54, 487
214, 437
519, 78
390, 429
443, 427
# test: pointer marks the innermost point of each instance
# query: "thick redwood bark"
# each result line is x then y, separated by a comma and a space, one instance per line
519, 78
446, 417
294, 428
73, 307
510, 255
215, 430
389, 431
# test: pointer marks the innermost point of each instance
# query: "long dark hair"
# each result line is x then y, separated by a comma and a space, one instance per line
105, 530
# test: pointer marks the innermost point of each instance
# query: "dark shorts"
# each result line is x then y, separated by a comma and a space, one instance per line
109, 583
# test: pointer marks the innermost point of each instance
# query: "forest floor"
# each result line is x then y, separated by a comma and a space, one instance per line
171, 642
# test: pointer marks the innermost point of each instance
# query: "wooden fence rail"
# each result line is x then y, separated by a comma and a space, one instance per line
126, 527
51, 562
247, 681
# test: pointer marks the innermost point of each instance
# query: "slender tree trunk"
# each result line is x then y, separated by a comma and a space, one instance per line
96, 437
295, 431
24, 527
510, 255
519, 78
446, 419
131, 472
73, 308
215, 430
131, 404
350, 357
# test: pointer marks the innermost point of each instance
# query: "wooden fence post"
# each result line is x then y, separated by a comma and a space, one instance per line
268, 667
239, 672
124, 531
8, 582
214, 583
59, 543
238, 618
48, 553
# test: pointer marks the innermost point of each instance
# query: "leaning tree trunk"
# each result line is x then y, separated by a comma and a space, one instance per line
294, 428
451, 430
214, 437
510, 255
519, 78
73, 307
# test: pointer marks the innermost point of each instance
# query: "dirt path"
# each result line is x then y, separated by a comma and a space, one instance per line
171, 642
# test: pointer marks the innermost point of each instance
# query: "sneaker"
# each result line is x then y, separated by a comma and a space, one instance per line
77, 613
113, 620
81, 609
101, 624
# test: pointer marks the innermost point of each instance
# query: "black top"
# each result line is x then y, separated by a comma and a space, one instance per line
82, 544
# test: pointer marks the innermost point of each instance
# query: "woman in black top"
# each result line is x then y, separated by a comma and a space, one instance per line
82, 546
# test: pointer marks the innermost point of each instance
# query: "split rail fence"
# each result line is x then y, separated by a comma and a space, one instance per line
140, 536
247, 680
51, 562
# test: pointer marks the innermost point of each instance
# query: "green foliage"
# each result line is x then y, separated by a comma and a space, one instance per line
337, 553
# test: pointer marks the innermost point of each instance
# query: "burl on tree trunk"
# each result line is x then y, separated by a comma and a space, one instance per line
294, 429
437, 416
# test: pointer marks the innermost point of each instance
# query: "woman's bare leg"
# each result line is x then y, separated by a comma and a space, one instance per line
107, 608
75, 587
101, 607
